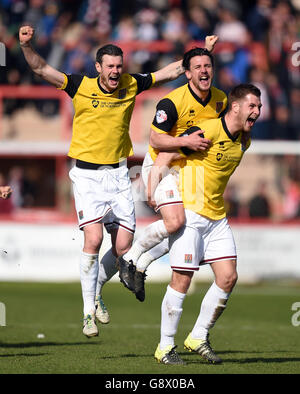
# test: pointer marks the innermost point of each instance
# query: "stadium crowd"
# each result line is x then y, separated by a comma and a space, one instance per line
257, 43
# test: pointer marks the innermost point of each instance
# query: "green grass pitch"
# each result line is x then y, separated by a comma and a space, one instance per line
255, 335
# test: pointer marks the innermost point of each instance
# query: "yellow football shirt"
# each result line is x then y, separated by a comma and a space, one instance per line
101, 119
205, 175
182, 109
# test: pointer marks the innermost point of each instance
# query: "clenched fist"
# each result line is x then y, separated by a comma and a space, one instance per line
25, 35
210, 42
5, 192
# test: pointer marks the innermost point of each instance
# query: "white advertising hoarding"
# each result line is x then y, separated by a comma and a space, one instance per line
35, 252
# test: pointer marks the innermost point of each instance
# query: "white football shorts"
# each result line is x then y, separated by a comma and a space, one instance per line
167, 192
201, 241
103, 195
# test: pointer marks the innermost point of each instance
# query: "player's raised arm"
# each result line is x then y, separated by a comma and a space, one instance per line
174, 70
35, 61
169, 72
210, 42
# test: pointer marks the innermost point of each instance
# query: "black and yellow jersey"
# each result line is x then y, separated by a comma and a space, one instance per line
101, 119
182, 109
204, 175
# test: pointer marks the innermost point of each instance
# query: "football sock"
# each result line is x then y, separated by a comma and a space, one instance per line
151, 236
88, 278
153, 254
171, 310
213, 305
107, 269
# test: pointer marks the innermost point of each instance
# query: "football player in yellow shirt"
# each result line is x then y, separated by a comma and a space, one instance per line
100, 145
182, 108
206, 237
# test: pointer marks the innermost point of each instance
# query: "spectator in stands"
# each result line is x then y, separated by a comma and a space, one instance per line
229, 28
281, 128
80, 60
259, 206
147, 23
232, 202
258, 19
174, 27
6, 205
198, 26
262, 128
295, 113
291, 198
125, 30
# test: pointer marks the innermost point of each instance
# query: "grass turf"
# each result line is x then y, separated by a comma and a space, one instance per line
253, 336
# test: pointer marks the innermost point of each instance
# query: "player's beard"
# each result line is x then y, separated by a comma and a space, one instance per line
108, 84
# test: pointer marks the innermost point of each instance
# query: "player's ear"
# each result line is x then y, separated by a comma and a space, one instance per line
235, 106
188, 75
98, 67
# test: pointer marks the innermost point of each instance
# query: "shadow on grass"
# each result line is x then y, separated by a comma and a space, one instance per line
246, 360
23, 355
42, 344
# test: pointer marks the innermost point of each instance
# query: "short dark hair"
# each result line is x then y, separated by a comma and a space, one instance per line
240, 91
108, 49
195, 52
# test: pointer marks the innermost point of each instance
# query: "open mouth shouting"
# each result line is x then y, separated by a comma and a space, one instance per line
250, 121
204, 82
114, 81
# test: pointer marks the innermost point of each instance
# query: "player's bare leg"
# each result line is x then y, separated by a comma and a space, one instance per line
140, 254
122, 240
213, 305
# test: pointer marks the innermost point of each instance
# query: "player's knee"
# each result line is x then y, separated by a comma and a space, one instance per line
228, 281
181, 281
174, 223
121, 248
92, 244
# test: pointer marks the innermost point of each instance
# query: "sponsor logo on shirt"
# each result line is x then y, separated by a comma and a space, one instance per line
219, 156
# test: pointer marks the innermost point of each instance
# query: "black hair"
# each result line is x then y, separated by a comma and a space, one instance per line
195, 52
108, 49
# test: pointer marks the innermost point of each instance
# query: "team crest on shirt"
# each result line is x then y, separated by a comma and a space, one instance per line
219, 106
189, 123
219, 156
95, 103
161, 116
80, 215
188, 258
122, 93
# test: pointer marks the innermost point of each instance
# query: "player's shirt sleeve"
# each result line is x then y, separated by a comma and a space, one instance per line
144, 81
71, 84
165, 117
